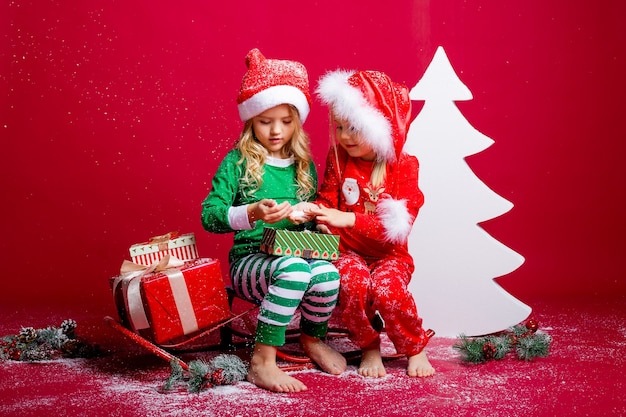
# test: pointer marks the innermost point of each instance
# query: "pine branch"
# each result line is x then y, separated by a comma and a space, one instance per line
222, 370
502, 346
198, 370
175, 377
537, 345
521, 338
234, 369
48, 343
471, 349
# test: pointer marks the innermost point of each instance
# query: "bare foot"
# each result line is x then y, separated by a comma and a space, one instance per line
372, 364
323, 355
420, 366
264, 373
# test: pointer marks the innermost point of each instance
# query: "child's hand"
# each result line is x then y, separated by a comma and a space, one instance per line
301, 212
333, 217
322, 228
268, 211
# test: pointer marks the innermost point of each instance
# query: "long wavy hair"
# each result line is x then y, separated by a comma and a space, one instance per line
254, 154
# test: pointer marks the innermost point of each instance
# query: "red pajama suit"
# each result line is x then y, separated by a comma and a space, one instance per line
375, 265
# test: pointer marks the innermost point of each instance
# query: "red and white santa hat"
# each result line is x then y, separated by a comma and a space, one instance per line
271, 82
378, 108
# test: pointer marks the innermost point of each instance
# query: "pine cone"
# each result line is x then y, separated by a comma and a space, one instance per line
27, 335
68, 327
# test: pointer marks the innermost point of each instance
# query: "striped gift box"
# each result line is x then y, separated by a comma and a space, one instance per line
181, 246
305, 244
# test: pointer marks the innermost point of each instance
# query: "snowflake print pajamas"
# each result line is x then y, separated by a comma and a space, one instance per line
375, 265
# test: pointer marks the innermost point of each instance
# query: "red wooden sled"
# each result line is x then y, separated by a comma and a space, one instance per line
296, 361
228, 331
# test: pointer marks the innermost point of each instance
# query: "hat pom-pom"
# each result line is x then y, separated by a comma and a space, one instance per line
254, 57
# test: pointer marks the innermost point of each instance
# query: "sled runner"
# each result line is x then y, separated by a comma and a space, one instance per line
239, 325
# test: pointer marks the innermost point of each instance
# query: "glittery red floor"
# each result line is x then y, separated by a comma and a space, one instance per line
582, 376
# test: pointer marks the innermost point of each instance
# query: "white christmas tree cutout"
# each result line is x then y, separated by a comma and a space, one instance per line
456, 261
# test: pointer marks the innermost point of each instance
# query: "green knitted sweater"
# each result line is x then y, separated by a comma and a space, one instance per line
278, 184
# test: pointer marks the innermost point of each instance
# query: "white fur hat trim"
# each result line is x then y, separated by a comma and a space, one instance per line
274, 96
348, 103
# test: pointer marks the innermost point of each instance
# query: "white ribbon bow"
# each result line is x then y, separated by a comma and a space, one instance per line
130, 280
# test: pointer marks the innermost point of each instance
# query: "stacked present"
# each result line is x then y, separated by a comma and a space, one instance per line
183, 247
168, 291
304, 244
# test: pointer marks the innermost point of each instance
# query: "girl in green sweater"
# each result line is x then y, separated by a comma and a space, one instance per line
260, 184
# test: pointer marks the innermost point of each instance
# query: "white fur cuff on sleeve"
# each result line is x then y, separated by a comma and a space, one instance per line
395, 218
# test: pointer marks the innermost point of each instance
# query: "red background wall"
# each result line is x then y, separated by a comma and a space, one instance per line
115, 114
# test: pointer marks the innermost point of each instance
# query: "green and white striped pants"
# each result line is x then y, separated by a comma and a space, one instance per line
282, 284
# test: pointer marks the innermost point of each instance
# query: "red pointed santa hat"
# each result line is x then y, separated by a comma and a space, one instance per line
270, 82
378, 108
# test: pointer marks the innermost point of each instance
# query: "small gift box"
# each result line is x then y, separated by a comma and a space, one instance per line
181, 246
171, 299
305, 244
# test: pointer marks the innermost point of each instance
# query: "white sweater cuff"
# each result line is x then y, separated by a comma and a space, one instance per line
238, 218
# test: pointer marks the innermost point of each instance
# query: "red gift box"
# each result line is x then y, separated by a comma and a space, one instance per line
177, 301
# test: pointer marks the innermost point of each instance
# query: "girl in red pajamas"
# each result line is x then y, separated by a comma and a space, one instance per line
370, 197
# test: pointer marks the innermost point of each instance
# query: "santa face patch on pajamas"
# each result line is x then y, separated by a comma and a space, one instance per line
350, 190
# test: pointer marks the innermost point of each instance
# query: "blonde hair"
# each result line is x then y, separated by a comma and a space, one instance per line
254, 154
379, 172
